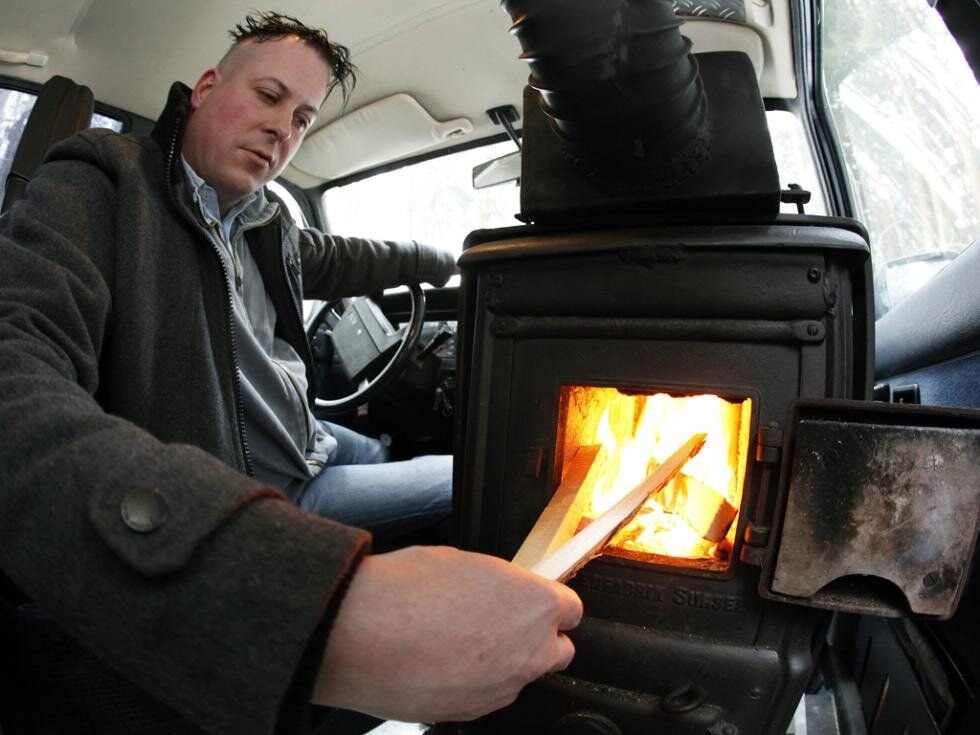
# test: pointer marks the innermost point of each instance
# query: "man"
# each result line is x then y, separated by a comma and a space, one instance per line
131, 509
245, 127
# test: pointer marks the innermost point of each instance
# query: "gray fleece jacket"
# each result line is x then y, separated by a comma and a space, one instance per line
118, 394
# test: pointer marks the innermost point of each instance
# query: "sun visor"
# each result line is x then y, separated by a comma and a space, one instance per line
391, 128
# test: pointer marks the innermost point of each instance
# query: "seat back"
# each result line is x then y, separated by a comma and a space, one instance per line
62, 109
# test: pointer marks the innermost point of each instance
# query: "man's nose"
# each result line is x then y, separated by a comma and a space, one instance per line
280, 125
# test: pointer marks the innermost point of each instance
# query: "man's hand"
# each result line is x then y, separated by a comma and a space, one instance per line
427, 634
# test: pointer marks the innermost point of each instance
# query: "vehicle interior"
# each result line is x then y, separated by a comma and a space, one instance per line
873, 109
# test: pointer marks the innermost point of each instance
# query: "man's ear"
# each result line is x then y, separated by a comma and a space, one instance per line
209, 79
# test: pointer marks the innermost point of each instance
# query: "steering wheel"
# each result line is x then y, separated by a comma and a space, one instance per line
364, 339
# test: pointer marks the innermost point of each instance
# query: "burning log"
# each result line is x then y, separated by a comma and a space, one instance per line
707, 511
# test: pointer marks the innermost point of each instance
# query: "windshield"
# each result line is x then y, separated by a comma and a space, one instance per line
433, 201
906, 109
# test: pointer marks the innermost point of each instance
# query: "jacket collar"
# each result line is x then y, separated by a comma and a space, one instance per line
169, 127
168, 134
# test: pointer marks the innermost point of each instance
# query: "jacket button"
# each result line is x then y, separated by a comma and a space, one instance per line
144, 509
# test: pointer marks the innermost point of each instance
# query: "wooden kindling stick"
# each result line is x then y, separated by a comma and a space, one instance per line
562, 515
563, 562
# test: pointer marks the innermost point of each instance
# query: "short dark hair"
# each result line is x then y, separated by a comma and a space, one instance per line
271, 26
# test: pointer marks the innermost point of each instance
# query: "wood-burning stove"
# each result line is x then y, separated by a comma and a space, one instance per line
743, 313
760, 316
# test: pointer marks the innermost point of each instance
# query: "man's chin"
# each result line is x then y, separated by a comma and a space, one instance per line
255, 180
259, 179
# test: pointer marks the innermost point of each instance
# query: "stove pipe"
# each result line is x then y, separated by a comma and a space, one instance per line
620, 118
618, 83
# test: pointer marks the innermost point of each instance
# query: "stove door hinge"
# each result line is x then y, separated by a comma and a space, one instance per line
769, 444
768, 452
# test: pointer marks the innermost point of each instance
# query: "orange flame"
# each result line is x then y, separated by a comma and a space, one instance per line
638, 432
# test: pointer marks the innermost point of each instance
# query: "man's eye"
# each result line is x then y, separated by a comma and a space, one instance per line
267, 96
302, 123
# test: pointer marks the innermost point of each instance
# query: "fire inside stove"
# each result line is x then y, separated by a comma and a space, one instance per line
611, 440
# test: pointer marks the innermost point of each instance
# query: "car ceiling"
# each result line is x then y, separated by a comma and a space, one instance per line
456, 58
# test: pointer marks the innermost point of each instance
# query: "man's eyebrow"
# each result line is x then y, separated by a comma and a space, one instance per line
282, 88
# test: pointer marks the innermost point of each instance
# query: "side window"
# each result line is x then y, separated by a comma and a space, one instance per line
906, 110
290, 201
104, 121
15, 107
794, 160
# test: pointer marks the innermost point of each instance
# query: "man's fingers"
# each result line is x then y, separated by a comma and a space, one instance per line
564, 653
570, 611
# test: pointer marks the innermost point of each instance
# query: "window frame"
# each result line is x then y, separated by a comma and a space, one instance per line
806, 19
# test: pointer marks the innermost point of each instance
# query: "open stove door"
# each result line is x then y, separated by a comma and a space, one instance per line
877, 509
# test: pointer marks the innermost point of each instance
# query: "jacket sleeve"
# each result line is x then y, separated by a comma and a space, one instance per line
193, 581
336, 266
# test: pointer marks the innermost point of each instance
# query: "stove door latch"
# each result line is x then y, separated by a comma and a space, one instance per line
768, 452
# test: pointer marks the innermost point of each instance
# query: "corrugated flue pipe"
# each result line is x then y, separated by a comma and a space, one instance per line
619, 84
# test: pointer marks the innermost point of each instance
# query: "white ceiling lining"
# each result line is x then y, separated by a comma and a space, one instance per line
398, 135
30, 21
456, 57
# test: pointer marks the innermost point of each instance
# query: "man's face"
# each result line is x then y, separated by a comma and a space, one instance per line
250, 114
